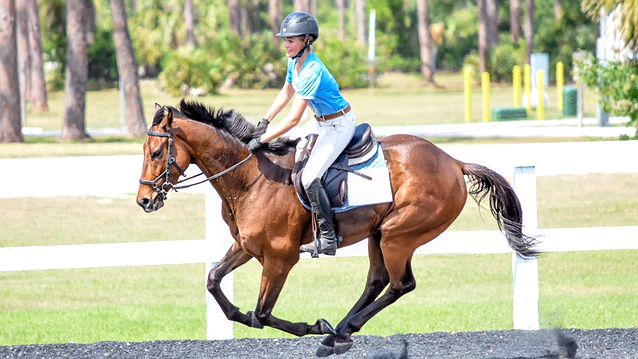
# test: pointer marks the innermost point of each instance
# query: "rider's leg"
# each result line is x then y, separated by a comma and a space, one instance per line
333, 138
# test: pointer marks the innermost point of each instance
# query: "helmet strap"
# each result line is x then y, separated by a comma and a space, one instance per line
303, 51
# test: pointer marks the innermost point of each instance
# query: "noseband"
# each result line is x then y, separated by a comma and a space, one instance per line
167, 186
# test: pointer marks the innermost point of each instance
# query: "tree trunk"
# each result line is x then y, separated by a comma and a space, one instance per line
36, 84
22, 35
362, 23
234, 7
492, 23
190, 18
127, 67
10, 126
559, 11
515, 20
275, 11
529, 28
77, 69
425, 40
484, 49
341, 10
302, 5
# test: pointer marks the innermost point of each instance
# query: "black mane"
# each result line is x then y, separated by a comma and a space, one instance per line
229, 121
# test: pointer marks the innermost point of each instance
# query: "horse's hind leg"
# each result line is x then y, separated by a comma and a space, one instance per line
378, 279
402, 281
234, 258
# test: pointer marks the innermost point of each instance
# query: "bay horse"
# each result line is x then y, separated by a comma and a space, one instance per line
268, 222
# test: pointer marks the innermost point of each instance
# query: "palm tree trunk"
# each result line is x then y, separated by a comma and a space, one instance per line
341, 10
362, 23
190, 18
529, 27
515, 20
77, 70
10, 126
425, 41
127, 67
22, 33
234, 7
36, 85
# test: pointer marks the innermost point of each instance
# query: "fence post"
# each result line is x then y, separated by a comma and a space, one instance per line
526, 292
218, 240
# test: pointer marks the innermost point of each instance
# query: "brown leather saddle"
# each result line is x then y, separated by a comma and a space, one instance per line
361, 148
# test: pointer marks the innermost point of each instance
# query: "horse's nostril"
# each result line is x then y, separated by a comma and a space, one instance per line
144, 202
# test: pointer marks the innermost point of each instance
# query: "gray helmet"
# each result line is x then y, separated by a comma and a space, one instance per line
299, 23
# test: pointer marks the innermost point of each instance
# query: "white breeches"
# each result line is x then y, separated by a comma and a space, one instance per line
334, 136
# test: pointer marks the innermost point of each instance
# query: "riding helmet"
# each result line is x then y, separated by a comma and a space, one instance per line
299, 23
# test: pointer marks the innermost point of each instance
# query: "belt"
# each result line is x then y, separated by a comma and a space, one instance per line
334, 115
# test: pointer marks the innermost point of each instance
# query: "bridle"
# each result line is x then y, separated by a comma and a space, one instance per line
167, 186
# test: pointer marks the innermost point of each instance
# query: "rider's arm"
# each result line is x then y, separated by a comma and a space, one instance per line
282, 99
291, 120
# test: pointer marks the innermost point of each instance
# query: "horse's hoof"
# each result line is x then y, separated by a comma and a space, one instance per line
324, 351
326, 328
254, 321
342, 346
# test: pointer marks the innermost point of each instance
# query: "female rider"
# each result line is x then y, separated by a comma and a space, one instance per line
310, 83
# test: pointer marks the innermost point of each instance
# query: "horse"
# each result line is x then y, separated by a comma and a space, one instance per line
269, 223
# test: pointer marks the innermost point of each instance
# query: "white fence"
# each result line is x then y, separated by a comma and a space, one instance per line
119, 174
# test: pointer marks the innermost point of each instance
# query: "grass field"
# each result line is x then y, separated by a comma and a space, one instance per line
399, 99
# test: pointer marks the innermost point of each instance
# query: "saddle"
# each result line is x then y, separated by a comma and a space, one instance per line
361, 148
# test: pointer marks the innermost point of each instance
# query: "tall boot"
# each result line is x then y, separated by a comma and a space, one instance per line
327, 241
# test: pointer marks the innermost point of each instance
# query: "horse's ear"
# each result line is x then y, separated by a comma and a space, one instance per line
157, 106
167, 120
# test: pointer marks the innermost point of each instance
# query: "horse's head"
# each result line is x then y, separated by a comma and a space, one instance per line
164, 161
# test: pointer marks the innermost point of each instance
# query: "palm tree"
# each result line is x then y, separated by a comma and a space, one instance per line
515, 20
234, 6
362, 26
22, 35
425, 41
341, 10
190, 18
488, 30
628, 17
10, 126
275, 11
127, 67
529, 27
77, 71
36, 85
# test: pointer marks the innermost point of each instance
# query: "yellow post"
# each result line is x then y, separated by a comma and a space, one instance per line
485, 87
527, 83
540, 83
467, 90
516, 82
560, 83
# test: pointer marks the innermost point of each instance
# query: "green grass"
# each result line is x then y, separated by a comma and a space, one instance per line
399, 99
454, 293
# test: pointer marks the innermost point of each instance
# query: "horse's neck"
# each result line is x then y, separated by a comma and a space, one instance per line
214, 152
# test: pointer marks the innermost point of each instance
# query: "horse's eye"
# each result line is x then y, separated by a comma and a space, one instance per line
156, 154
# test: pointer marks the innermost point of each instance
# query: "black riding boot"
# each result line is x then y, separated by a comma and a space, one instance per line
327, 241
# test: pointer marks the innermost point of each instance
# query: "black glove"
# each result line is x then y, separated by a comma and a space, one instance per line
261, 127
255, 145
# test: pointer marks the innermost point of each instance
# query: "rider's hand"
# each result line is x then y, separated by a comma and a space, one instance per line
255, 145
261, 127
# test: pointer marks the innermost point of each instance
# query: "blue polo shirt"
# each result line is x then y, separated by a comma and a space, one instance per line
316, 84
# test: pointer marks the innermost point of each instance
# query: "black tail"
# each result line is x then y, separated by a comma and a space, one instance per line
504, 205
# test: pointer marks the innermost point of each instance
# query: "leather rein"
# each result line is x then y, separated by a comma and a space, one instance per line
167, 186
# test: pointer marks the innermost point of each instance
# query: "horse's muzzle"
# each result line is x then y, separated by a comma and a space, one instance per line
152, 204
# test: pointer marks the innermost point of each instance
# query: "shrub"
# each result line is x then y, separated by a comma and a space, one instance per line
346, 61
503, 58
185, 69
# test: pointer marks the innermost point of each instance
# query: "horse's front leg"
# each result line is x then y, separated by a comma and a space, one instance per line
234, 258
274, 274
